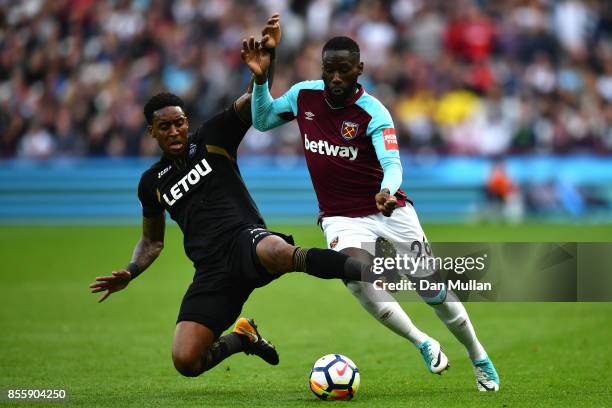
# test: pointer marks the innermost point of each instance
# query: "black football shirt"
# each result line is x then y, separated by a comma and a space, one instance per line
203, 191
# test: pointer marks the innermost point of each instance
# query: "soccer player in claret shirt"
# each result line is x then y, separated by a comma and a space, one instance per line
353, 157
199, 184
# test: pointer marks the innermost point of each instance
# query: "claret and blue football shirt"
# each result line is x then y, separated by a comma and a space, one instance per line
346, 148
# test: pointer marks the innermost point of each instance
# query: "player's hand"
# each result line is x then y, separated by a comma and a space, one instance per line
256, 57
271, 33
385, 202
111, 284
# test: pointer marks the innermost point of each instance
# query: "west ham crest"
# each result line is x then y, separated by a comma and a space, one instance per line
349, 130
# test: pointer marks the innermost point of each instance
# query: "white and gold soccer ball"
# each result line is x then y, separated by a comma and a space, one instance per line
334, 377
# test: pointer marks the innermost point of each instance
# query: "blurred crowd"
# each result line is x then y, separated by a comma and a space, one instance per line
459, 77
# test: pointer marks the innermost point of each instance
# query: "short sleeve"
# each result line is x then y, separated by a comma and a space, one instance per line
148, 197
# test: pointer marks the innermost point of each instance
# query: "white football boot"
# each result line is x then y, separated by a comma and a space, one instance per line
435, 359
486, 375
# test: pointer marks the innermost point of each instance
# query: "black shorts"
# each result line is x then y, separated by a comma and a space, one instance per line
216, 295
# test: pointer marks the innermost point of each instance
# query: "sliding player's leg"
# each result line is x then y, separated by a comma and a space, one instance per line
215, 298
195, 351
213, 302
206, 312
190, 348
277, 255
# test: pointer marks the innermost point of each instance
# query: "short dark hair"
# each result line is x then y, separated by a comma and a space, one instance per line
341, 43
159, 101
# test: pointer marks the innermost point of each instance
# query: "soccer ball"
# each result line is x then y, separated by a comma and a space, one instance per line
334, 377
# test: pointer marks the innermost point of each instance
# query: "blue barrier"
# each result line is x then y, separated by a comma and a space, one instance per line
103, 191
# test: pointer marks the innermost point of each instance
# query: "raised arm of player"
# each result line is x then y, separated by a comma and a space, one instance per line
266, 112
270, 38
146, 251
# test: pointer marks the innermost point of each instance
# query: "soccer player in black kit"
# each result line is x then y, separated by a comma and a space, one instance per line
199, 184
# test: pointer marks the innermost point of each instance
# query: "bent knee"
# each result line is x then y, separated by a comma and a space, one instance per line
281, 258
276, 255
187, 364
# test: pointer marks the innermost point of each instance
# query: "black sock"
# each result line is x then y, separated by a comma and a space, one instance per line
221, 349
328, 264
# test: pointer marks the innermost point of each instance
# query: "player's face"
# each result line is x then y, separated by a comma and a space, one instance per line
170, 128
341, 68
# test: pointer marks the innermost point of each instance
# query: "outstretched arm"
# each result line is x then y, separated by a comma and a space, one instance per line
270, 38
146, 251
266, 112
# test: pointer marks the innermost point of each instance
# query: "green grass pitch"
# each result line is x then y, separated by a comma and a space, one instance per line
53, 334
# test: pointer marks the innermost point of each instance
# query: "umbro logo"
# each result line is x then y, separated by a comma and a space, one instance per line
309, 115
386, 315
